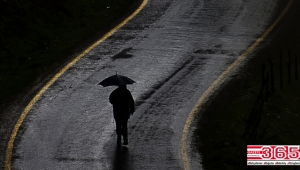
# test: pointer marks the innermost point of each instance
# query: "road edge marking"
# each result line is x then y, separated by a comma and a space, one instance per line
10, 145
216, 84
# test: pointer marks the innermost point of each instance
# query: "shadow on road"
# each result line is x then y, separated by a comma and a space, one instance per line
121, 159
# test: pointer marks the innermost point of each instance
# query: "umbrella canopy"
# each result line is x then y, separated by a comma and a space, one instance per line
116, 80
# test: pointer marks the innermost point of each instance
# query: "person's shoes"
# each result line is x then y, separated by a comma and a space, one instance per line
125, 142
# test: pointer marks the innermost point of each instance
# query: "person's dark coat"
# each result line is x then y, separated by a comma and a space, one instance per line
123, 103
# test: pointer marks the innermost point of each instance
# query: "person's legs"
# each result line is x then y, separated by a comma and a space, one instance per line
118, 130
124, 131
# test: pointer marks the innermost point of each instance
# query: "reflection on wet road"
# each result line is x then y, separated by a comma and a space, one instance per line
174, 50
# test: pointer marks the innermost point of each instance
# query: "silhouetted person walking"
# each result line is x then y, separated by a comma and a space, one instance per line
123, 106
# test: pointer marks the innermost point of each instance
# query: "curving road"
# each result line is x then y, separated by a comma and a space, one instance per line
174, 50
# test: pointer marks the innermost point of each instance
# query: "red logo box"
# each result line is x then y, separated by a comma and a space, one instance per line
273, 154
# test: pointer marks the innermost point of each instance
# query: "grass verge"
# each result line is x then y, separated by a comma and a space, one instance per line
220, 136
219, 132
37, 36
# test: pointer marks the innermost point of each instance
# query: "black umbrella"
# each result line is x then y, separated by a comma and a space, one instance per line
116, 80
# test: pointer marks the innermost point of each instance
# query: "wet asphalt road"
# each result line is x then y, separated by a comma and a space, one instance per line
174, 50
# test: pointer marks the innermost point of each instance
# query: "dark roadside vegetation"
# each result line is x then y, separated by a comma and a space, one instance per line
240, 115
37, 38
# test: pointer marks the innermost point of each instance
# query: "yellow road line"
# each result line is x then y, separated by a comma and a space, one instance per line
216, 84
13, 135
